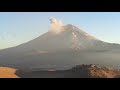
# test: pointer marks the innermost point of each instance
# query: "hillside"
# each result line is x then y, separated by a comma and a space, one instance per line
79, 71
6, 72
93, 71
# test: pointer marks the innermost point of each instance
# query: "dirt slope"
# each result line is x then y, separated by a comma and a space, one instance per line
6, 72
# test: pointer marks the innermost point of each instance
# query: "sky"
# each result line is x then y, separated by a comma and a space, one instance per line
20, 27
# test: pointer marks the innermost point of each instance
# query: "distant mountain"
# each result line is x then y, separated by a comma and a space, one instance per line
62, 46
64, 37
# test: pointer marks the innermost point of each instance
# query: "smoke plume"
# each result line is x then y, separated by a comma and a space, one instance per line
56, 25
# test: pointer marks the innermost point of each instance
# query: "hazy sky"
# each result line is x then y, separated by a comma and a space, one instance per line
20, 27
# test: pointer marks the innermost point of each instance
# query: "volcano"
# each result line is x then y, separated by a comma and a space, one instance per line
63, 46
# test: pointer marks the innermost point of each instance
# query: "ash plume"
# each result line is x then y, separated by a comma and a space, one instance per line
56, 25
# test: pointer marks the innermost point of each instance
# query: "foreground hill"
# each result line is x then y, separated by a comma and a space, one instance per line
6, 72
80, 71
93, 71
